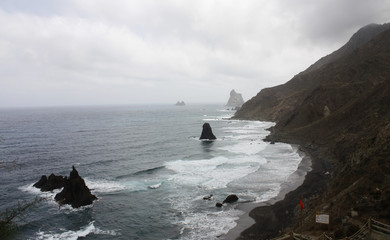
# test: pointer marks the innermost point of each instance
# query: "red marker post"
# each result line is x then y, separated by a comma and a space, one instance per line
302, 207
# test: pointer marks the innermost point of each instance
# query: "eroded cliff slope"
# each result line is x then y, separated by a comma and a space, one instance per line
342, 106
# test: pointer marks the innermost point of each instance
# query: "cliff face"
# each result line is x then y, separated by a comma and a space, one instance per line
357, 40
272, 104
341, 106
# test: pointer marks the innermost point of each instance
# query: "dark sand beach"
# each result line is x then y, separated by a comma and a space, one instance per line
268, 219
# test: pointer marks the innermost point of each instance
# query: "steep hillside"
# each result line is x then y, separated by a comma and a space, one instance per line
357, 40
340, 110
354, 131
273, 103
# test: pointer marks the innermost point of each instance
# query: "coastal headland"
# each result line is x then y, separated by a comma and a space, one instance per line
337, 112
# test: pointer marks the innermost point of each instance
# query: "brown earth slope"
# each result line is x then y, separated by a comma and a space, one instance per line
273, 103
340, 110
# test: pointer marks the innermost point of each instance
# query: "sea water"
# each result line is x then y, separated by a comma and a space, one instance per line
145, 164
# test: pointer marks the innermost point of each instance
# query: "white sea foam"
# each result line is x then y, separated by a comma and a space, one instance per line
74, 235
209, 225
96, 186
246, 147
50, 199
155, 186
142, 185
49, 196
103, 186
217, 118
212, 173
255, 169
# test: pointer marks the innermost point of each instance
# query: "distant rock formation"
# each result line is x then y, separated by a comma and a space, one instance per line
235, 99
75, 192
207, 132
180, 103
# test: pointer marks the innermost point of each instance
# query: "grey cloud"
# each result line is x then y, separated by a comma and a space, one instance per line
329, 21
151, 51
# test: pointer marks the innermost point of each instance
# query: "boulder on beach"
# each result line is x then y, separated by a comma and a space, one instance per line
231, 199
49, 184
75, 192
207, 132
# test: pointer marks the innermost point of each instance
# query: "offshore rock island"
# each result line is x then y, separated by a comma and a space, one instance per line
180, 103
235, 99
207, 132
337, 110
75, 192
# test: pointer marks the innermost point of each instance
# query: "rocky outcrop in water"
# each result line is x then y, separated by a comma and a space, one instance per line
75, 192
180, 103
207, 132
49, 184
235, 99
231, 199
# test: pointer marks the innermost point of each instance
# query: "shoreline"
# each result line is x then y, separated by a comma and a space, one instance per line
267, 219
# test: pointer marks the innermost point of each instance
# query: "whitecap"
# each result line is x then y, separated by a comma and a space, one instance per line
209, 225
213, 173
246, 147
49, 196
217, 118
103, 185
50, 199
155, 186
74, 235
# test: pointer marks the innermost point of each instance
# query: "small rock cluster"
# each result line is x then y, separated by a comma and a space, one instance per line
229, 199
75, 192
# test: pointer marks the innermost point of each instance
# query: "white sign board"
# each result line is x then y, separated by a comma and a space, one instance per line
322, 218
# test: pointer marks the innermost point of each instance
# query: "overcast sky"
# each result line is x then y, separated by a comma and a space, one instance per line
94, 52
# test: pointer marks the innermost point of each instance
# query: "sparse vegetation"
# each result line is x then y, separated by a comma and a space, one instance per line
12, 216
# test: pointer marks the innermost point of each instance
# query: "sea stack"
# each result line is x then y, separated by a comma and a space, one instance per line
207, 133
75, 192
235, 99
180, 103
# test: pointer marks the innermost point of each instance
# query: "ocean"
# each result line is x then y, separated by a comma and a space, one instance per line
145, 164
